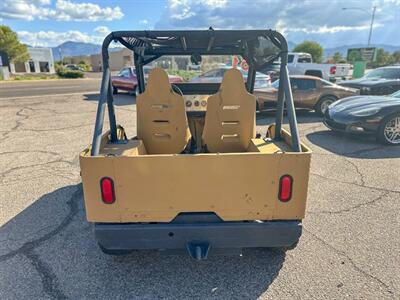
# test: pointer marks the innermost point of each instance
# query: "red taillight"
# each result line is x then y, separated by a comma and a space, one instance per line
285, 188
107, 190
333, 70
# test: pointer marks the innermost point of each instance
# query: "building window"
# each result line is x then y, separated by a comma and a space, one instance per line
20, 67
44, 66
32, 66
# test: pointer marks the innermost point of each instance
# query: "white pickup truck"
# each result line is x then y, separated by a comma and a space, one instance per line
301, 64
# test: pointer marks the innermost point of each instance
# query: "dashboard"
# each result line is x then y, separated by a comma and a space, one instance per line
196, 103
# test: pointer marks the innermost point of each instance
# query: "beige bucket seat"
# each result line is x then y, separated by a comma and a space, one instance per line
161, 117
230, 121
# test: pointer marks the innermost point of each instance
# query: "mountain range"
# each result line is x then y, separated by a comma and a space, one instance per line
74, 49
77, 48
343, 49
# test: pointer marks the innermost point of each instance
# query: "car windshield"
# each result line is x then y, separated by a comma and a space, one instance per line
387, 73
396, 94
146, 70
275, 84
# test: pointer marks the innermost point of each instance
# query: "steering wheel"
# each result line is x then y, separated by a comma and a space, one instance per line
176, 89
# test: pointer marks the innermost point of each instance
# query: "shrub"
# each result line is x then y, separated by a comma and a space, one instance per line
69, 73
186, 75
84, 66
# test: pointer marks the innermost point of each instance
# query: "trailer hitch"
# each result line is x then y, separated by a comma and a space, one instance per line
198, 251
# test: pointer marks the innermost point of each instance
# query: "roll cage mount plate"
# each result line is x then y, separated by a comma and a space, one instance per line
259, 48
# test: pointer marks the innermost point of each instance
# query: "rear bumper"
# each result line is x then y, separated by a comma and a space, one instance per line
180, 236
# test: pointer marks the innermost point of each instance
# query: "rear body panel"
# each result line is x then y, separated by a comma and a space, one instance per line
234, 186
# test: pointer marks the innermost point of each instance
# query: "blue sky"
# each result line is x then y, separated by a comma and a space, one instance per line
51, 22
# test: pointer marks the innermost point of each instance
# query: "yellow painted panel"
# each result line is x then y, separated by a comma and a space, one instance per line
236, 186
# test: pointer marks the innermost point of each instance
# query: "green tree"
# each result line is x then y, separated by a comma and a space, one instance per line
338, 58
383, 58
396, 56
311, 47
10, 44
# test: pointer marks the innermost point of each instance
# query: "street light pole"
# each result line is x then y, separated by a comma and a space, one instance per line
372, 24
372, 18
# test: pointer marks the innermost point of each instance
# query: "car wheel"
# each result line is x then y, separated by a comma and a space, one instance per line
389, 130
323, 103
115, 90
136, 91
114, 252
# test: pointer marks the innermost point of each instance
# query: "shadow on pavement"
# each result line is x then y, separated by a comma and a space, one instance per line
119, 100
349, 145
55, 237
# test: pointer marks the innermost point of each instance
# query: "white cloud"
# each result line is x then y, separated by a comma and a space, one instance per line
215, 3
64, 10
334, 29
102, 30
86, 11
322, 20
181, 9
185, 14
177, 3
144, 22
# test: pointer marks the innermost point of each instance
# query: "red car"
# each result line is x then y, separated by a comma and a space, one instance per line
126, 79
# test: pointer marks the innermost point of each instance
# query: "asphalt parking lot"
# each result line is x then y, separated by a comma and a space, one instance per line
349, 248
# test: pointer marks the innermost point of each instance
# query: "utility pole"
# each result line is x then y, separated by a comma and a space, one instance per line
372, 18
372, 24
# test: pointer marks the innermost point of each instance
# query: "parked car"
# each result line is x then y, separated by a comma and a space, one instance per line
374, 115
273, 70
126, 79
301, 64
381, 81
308, 92
73, 67
215, 75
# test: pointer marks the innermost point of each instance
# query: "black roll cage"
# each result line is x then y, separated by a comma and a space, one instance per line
150, 45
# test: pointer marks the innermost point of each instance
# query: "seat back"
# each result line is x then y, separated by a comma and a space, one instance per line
230, 121
161, 117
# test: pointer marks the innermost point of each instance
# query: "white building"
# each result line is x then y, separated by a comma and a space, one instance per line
41, 61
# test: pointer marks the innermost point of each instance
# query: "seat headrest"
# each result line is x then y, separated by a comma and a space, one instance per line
232, 84
158, 83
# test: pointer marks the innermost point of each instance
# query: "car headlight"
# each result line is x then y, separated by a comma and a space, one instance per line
366, 89
365, 112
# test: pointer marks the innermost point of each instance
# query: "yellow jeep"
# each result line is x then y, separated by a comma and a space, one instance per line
201, 180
